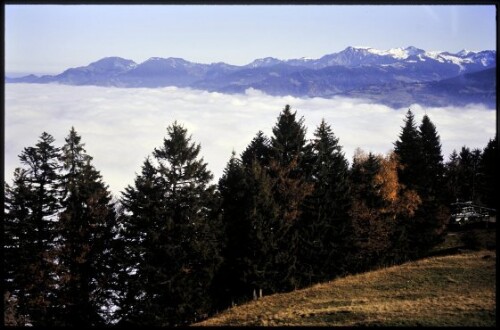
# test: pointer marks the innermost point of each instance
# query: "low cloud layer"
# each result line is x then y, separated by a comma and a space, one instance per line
121, 127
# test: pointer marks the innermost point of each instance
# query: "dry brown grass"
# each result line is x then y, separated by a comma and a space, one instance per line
456, 290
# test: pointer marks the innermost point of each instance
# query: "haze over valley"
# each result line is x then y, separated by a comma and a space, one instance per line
121, 126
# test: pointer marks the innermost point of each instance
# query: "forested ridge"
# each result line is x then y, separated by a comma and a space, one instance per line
175, 248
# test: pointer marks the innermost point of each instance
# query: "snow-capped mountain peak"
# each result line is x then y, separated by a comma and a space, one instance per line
264, 62
151, 59
398, 53
359, 50
464, 53
411, 51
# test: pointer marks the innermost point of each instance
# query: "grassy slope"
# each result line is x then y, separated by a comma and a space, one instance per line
453, 290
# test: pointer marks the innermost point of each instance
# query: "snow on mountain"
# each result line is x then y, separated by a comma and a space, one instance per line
360, 68
405, 53
398, 53
264, 62
464, 52
454, 59
361, 55
485, 57
353, 57
462, 59
154, 59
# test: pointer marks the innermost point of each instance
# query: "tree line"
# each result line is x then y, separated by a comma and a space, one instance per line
175, 248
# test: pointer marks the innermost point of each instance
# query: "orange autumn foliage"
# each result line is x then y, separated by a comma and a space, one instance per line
380, 204
399, 200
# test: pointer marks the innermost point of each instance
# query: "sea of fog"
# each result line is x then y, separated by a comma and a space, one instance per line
121, 126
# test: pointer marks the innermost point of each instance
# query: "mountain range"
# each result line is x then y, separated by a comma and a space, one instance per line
396, 77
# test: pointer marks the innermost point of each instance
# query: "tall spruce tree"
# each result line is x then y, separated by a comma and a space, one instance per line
86, 230
409, 150
422, 170
410, 172
433, 214
171, 230
229, 283
251, 220
249, 216
290, 168
141, 222
326, 223
262, 216
288, 143
431, 183
16, 242
31, 208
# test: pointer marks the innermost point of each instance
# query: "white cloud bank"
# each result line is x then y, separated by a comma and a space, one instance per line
120, 127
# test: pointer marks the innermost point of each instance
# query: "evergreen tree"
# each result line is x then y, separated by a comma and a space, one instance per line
141, 222
230, 284
363, 171
433, 214
475, 174
431, 184
451, 178
261, 216
31, 208
259, 150
487, 187
422, 170
86, 229
288, 143
251, 219
17, 231
409, 150
171, 230
290, 169
326, 223
466, 174
467, 171
262, 204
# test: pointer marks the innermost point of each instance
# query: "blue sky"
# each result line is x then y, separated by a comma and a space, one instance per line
50, 38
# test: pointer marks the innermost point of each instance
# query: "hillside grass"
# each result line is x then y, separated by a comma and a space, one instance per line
451, 290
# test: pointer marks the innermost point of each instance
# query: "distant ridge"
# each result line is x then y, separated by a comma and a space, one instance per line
396, 77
